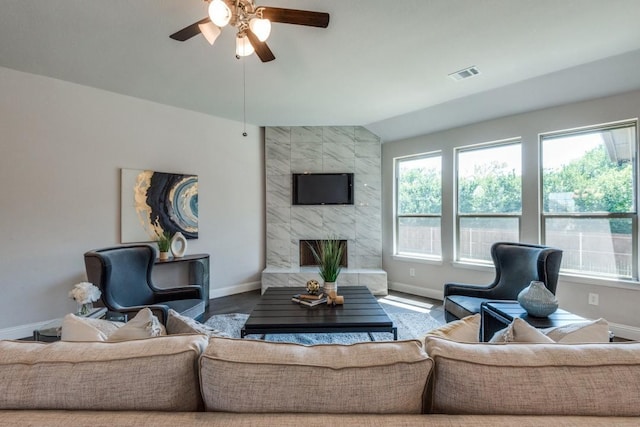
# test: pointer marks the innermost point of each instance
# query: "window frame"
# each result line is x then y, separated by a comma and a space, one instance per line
397, 216
543, 216
458, 216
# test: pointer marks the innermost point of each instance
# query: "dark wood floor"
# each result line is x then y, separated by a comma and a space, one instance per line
395, 302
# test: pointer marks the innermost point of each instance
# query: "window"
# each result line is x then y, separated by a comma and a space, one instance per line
489, 198
419, 206
588, 202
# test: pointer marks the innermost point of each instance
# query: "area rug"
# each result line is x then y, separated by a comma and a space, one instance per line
410, 325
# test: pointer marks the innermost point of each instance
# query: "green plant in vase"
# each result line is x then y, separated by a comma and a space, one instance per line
328, 255
164, 244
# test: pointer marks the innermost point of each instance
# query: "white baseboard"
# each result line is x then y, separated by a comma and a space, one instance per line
236, 289
624, 331
416, 290
21, 331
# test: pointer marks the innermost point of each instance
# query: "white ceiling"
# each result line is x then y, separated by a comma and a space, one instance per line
380, 63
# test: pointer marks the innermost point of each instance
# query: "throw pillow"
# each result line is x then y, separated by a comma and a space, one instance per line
78, 328
179, 324
75, 328
520, 331
466, 329
593, 331
143, 325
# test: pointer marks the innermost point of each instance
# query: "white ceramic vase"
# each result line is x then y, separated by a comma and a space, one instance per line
537, 300
178, 245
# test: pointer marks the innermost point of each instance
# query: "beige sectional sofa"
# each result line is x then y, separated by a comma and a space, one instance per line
193, 380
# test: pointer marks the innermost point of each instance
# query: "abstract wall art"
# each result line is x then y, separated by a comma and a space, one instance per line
153, 202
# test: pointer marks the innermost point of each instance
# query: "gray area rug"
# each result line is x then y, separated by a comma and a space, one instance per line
410, 325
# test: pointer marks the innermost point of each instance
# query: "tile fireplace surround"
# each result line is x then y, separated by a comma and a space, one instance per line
323, 149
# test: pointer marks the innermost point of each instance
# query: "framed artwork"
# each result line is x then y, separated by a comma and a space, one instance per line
154, 202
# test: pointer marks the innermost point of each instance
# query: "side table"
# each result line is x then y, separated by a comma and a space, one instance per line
496, 315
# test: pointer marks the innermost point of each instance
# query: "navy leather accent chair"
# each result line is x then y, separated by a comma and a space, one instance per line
123, 274
516, 264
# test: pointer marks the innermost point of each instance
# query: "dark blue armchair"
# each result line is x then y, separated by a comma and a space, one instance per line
516, 264
123, 274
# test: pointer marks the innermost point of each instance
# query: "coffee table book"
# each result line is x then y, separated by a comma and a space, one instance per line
300, 299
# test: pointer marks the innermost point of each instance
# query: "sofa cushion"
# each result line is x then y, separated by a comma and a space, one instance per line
257, 376
525, 379
520, 331
591, 331
77, 328
143, 325
179, 324
466, 329
228, 419
159, 374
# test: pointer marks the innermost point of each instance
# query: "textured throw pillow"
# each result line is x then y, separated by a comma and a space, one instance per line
592, 331
466, 329
520, 331
78, 328
75, 328
143, 325
179, 324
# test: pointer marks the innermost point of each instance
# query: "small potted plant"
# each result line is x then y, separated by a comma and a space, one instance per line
328, 255
164, 244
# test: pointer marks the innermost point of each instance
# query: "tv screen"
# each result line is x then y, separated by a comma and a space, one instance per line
322, 188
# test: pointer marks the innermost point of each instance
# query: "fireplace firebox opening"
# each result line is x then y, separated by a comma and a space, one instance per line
306, 256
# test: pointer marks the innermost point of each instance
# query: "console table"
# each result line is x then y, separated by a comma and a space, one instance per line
496, 315
198, 271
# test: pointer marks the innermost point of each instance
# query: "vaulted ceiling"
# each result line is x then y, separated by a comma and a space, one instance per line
380, 63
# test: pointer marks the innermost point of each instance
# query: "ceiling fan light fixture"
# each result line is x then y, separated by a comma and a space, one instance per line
219, 13
210, 31
243, 45
261, 28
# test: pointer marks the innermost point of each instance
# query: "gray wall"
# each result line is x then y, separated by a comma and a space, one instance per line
618, 301
61, 150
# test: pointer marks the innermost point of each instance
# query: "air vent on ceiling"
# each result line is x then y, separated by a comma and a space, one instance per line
465, 73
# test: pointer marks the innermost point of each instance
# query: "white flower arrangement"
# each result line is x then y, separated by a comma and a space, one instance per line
85, 293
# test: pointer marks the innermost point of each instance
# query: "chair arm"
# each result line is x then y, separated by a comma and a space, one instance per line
182, 292
478, 291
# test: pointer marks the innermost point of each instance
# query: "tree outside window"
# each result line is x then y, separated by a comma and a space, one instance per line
489, 198
588, 199
419, 206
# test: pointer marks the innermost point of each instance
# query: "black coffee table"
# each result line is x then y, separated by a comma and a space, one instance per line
496, 315
277, 314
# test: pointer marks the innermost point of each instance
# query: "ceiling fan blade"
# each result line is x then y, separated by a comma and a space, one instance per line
294, 16
188, 32
262, 50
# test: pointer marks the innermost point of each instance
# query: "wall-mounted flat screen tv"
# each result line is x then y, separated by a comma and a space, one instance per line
322, 188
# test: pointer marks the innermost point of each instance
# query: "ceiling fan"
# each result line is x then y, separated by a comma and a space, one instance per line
253, 24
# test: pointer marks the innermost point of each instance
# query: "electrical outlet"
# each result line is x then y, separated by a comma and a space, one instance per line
594, 299
412, 272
